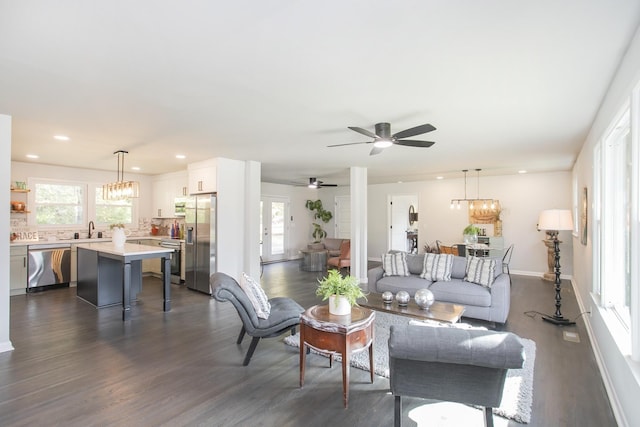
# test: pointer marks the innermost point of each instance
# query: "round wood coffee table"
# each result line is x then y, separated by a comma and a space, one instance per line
331, 334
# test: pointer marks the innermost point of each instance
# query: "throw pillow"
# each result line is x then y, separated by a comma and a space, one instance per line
480, 271
256, 295
437, 267
395, 264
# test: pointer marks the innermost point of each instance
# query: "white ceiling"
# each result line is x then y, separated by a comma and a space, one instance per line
509, 84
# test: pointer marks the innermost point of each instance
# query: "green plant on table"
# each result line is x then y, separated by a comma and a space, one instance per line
335, 284
471, 230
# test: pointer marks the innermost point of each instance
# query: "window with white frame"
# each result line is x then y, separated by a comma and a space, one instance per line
613, 213
66, 204
59, 204
112, 211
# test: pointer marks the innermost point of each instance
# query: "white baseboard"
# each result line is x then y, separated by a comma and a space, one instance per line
6, 346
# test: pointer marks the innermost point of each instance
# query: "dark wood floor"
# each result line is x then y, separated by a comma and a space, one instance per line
77, 366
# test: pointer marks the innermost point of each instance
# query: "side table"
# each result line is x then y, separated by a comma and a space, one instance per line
313, 259
331, 334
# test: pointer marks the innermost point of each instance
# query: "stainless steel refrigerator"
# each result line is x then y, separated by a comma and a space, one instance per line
200, 241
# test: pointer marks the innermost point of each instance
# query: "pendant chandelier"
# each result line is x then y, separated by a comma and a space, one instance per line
474, 203
121, 189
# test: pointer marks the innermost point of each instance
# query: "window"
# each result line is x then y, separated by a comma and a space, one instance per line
112, 211
59, 204
71, 205
613, 215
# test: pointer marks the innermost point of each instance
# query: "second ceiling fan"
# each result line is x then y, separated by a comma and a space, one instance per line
382, 137
316, 183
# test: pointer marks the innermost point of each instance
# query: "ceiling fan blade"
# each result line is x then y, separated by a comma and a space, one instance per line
418, 130
350, 143
376, 150
364, 131
414, 143
328, 185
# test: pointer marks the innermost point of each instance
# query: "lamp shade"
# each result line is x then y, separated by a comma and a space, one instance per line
555, 219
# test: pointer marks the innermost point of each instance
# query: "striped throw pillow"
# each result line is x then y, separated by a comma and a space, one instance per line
256, 295
437, 267
395, 264
480, 271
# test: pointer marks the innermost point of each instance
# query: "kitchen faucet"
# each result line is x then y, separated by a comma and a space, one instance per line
91, 227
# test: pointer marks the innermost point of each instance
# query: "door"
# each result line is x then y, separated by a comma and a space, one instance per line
399, 220
274, 228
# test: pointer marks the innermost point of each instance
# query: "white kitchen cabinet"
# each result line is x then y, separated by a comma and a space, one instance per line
166, 189
18, 270
203, 177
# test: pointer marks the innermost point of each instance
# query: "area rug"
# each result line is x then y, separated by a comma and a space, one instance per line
517, 397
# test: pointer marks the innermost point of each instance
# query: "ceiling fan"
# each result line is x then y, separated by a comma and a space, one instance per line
315, 183
382, 137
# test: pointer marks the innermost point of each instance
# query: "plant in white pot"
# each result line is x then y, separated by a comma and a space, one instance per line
470, 234
342, 292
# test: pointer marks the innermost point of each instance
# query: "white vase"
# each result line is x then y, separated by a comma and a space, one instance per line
118, 237
339, 305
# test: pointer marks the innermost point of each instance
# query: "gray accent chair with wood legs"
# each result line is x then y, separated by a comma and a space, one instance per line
457, 365
284, 316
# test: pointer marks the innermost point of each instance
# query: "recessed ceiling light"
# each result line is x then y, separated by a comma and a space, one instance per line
522, 171
135, 168
61, 137
439, 177
32, 156
180, 156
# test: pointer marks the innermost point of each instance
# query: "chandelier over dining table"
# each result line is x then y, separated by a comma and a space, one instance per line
474, 203
120, 189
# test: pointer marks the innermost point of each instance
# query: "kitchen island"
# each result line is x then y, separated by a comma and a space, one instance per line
109, 274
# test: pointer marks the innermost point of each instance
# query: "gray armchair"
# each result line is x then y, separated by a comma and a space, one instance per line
284, 316
457, 365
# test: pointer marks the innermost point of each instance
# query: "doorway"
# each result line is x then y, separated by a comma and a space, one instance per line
399, 205
274, 230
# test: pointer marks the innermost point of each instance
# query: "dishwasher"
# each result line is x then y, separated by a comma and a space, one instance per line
49, 267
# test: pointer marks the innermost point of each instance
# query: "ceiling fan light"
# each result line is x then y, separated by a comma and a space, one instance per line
383, 143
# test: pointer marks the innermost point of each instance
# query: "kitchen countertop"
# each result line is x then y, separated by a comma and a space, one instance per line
129, 249
80, 241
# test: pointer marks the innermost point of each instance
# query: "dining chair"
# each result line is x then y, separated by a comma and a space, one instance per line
453, 250
506, 259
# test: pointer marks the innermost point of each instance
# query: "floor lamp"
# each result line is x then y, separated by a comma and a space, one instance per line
554, 221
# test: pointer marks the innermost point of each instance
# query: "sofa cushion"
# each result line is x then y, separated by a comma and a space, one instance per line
395, 264
407, 283
480, 271
332, 243
459, 267
461, 292
415, 262
437, 267
256, 295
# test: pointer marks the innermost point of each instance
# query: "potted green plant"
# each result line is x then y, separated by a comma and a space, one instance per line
320, 213
470, 234
342, 292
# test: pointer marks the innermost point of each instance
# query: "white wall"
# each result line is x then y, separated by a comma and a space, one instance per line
621, 374
5, 197
522, 197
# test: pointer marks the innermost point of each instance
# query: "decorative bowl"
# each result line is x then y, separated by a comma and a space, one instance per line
403, 298
424, 298
17, 206
387, 297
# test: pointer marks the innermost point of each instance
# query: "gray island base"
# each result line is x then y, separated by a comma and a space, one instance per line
109, 274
